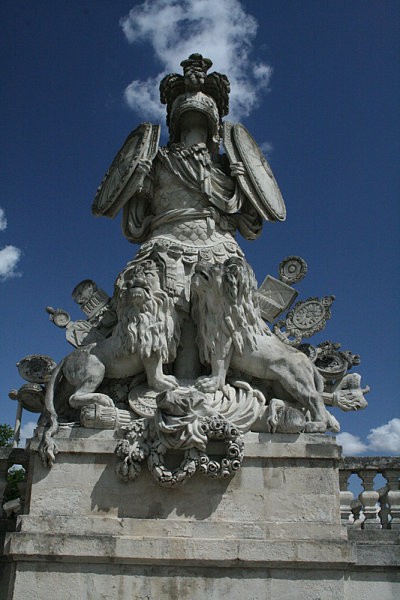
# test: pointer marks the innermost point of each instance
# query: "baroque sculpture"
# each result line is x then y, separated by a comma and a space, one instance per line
181, 354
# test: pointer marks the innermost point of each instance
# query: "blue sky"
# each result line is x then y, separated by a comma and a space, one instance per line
316, 82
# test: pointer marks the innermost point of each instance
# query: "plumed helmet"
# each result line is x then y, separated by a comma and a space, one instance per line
195, 90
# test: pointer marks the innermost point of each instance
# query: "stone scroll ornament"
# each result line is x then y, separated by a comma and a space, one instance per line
179, 359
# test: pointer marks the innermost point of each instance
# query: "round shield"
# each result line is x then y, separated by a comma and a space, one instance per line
121, 180
31, 396
36, 368
292, 269
258, 181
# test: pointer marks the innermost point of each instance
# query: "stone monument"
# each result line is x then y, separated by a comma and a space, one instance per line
177, 378
183, 339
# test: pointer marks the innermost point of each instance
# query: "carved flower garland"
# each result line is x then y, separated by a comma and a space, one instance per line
142, 442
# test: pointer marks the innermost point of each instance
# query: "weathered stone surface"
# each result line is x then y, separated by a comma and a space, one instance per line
304, 470
272, 531
37, 581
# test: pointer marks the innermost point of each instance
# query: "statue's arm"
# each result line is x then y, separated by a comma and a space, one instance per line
137, 212
248, 219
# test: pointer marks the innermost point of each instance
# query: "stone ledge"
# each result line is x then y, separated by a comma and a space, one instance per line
374, 536
16, 456
376, 548
377, 555
264, 445
115, 526
177, 551
370, 463
186, 550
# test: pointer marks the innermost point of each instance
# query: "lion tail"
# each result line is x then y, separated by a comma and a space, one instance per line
47, 447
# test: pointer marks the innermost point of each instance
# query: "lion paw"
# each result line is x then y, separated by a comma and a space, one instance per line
272, 422
315, 427
208, 384
164, 383
79, 400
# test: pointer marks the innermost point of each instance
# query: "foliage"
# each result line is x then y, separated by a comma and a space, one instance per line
14, 477
16, 474
6, 435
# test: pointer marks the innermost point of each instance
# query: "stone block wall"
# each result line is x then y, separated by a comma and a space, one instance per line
272, 531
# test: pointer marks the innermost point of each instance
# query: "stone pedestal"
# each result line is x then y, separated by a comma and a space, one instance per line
272, 531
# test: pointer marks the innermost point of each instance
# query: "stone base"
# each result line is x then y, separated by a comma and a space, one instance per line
272, 531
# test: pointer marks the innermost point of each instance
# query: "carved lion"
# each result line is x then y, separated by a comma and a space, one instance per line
231, 334
145, 337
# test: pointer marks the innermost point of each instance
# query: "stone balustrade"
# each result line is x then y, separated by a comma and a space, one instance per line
375, 507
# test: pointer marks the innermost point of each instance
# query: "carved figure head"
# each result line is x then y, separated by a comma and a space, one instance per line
239, 280
137, 283
147, 321
206, 277
84, 291
224, 307
195, 90
187, 105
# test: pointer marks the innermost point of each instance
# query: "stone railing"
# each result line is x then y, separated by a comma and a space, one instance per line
10, 457
374, 508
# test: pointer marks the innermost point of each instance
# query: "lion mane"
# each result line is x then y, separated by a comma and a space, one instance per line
147, 321
148, 329
225, 308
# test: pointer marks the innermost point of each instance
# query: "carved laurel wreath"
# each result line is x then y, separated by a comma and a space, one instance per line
142, 443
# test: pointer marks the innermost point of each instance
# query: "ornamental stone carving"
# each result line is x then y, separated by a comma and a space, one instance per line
292, 269
179, 358
305, 319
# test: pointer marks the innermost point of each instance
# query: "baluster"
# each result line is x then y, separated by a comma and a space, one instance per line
369, 498
356, 510
393, 496
346, 497
384, 509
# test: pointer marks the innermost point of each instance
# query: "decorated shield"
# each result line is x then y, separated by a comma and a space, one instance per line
123, 178
36, 368
258, 182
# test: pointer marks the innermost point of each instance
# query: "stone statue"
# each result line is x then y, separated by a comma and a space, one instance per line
184, 354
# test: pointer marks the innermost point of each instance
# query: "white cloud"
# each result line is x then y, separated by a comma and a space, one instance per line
386, 438
218, 29
9, 257
266, 148
351, 444
26, 432
3, 220
143, 97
